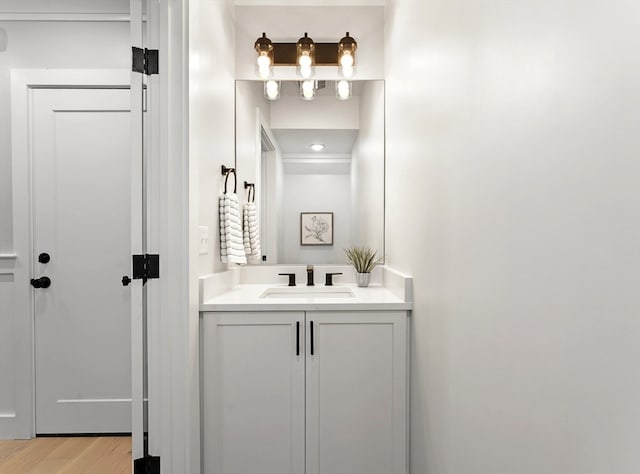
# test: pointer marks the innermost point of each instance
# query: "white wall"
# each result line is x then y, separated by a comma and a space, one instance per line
316, 193
512, 198
252, 113
325, 24
367, 170
210, 128
249, 98
211, 124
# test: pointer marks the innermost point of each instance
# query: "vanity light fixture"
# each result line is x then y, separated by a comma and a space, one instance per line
308, 89
264, 63
317, 147
305, 56
347, 55
343, 90
272, 89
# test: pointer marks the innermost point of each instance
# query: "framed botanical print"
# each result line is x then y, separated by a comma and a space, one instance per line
316, 228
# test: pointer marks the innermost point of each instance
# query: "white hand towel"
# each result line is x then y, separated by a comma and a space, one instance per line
231, 244
251, 234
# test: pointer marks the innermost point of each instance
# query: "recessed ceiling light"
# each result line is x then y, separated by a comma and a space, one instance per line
317, 147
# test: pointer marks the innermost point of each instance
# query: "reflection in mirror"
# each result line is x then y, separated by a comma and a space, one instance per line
345, 176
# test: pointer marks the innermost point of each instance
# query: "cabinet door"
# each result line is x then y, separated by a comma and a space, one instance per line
253, 393
356, 393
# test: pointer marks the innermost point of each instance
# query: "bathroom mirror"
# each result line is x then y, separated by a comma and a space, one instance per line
312, 202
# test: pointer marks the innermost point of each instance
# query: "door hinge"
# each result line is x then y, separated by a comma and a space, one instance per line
144, 60
147, 465
146, 267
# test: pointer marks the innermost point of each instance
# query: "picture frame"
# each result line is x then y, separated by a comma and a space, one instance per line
316, 228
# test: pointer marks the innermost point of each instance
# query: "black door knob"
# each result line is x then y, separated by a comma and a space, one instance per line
42, 282
126, 280
44, 257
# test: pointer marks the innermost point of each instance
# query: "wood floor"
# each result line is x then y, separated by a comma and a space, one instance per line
77, 455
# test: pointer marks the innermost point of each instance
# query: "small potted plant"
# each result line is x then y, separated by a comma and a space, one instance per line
364, 260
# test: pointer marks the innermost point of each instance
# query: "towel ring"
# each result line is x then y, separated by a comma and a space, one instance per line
235, 179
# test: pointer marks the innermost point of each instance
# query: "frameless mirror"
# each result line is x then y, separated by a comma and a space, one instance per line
317, 167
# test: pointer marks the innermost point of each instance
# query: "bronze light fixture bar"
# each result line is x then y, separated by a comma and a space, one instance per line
305, 55
285, 54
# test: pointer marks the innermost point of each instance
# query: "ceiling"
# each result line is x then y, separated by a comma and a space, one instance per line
295, 141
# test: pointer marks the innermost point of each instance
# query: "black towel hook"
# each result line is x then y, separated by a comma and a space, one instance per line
226, 172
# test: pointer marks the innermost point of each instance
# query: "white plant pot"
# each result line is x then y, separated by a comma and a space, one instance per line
363, 279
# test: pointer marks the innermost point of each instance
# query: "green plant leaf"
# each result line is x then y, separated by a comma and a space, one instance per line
363, 259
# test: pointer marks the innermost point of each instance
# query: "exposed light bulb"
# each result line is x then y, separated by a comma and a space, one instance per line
264, 65
347, 55
306, 71
346, 60
272, 90
304, 60
317, 147
346, 64
264, 72
308, 90
305, 65
346, 71
264, 60
343, 90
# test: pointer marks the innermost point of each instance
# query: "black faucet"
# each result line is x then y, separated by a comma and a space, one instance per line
292, 278
328, 279
310, 275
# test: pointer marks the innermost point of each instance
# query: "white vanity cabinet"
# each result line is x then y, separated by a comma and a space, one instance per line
253, 393
305, 392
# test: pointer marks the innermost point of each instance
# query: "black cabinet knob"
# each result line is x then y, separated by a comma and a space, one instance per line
44, 257
42, 282
126, 280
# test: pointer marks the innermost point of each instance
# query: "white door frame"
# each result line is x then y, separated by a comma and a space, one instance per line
137, 240
175, 337
23, 81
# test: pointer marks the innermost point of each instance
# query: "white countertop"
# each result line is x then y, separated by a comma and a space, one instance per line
248, 298
243, 289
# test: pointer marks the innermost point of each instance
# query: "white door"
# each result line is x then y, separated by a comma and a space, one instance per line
253, 393
81, 218
356, 393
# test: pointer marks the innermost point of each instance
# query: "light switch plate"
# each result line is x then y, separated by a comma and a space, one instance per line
204, 240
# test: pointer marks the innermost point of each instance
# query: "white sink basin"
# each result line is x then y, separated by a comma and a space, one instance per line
307, 292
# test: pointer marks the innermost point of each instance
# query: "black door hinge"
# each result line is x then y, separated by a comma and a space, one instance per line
146, 267
147, 465
144, 60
